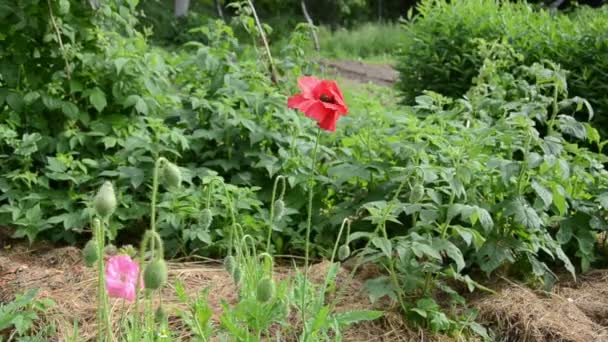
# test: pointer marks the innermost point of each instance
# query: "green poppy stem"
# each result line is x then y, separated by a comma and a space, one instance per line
308, 226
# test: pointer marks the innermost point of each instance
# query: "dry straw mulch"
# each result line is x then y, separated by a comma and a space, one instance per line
60, 274
573, 312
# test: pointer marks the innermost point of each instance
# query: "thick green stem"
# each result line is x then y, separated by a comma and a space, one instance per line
308, 226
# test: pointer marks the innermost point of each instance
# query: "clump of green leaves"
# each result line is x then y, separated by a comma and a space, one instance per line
20, 315
500, 181
439, 50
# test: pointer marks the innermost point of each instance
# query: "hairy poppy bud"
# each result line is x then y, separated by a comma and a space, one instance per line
343, 252
155, 274
265, 290
279, 209
417, 193
237, 274
105, 200
206, 218
173, 176
230, 264
90, 253
160, 315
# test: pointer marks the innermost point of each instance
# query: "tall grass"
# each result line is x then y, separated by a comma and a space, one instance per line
368, 41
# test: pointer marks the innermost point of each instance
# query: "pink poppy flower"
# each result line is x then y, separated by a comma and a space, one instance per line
320, 100
121, 277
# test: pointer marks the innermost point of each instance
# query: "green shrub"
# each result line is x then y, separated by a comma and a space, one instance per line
439, 49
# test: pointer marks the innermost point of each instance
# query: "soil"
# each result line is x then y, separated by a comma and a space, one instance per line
576, 311
380, 74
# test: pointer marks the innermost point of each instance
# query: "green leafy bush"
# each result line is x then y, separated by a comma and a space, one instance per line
439, 49
479, 188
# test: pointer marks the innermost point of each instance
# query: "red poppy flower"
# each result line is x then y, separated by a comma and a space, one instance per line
321, 100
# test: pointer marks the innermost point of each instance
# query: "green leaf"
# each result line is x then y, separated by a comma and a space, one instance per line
384, 245
522, 213
70, 110
422, 249
356, 316
380, 287
485, 219
559, 200
543, 193
141, 107
98, 99
321, 320
603, 199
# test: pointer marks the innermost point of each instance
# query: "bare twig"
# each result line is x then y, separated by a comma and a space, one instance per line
311, 24
273, 70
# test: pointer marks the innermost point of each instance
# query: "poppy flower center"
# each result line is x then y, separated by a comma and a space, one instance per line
328, 99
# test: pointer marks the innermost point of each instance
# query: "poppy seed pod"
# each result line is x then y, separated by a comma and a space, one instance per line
155, 274
343, 252
160, 315
279, 209
265, 290
237, 274
105, 200
90, 253
229, 264
172, 174
206, 218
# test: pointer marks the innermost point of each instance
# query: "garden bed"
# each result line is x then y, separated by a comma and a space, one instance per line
574, 311
60, 274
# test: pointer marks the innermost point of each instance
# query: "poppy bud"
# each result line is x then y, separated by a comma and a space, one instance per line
279, 209
230, 264
265, 290
417, 193
155, 274
173, 176
237, 274
206, 218
105, 200
343, 252
160, 315
90, 253
110, 250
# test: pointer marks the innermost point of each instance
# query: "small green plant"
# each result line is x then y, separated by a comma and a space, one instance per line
19, 316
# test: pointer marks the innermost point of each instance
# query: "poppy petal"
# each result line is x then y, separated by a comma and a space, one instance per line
295, 101
308, 84
317, 111
329, 122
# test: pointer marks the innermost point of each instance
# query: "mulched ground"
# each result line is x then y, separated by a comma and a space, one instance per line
60, 274
573, 312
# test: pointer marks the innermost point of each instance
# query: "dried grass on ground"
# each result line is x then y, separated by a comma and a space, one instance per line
573, 312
